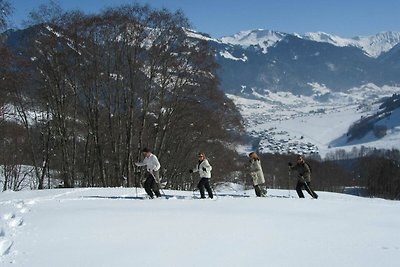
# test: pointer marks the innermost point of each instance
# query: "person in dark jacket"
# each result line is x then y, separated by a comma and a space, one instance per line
204, 168
304, 177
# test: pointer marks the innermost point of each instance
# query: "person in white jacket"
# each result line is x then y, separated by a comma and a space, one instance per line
152, 183
204, 168
256, 174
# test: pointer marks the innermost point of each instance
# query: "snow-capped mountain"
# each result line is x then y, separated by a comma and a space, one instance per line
373, 45
259, 60
261, 38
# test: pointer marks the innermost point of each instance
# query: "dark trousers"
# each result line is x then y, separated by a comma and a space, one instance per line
150, 185
259, 192
204, 183
307, 187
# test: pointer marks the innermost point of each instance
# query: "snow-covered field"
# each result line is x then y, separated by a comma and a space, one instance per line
111, 227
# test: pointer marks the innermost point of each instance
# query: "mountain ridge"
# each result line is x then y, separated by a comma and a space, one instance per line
258, 60
373, 45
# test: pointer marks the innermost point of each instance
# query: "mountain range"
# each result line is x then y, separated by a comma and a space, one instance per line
255, 61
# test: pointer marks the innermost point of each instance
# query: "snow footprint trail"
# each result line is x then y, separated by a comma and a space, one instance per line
14, 221
7, 221
5, 246
11, 221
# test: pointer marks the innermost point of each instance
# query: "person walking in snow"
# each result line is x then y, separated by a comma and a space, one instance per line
256, 174
304, 177
152, 183
204, 168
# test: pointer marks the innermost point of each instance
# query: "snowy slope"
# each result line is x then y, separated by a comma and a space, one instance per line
260, 37
109, 227
286, 123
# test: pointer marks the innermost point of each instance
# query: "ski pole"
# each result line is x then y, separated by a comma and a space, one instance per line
290, 175
162, 191
134, 172
309, 190
193, 191
215, 193
192, 186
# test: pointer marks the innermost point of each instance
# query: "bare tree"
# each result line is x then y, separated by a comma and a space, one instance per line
48, 13
112, 83
5, 10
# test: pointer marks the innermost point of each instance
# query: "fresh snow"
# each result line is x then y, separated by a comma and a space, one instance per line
196, 35
260, 37
287, 123
12, 113
228, 55
110, 227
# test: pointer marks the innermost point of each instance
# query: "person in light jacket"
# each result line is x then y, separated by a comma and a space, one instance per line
152, 183
256, 174
204, 168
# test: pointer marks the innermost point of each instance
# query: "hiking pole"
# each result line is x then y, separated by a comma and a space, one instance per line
166, 197
135, 181
310, 191
215, 193
193, 191
290, 176
192, 185
137, 172
162, 191
158, 184
308, 188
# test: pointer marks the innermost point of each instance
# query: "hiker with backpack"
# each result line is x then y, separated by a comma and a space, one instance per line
257, 174
304, 177
152, 183
204, 168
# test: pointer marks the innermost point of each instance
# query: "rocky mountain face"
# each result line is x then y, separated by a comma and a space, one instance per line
252, 62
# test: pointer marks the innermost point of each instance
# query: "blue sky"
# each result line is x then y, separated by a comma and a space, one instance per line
346, 18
